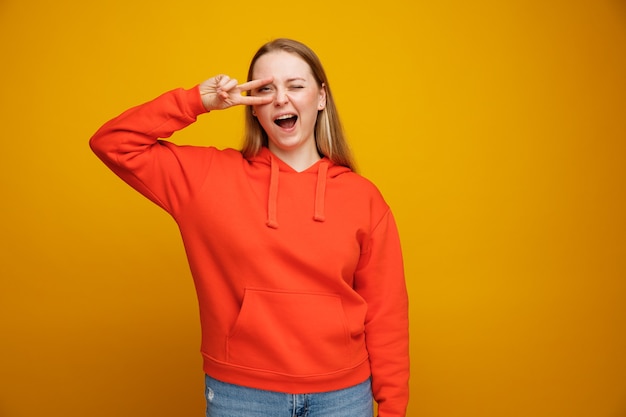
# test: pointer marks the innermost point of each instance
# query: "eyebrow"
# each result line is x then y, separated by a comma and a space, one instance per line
288, 80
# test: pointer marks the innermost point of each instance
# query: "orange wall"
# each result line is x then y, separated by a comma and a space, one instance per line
496, 130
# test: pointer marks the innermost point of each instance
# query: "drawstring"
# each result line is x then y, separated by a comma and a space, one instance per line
272, 199
320, 191
273, 195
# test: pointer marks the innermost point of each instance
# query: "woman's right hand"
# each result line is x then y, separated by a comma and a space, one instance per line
221, 92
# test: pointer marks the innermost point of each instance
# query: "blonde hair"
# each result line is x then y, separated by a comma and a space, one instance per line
329, 135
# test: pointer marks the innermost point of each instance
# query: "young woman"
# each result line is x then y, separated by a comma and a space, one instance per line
296, 259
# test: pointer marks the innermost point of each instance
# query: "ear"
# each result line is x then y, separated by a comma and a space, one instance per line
322, 99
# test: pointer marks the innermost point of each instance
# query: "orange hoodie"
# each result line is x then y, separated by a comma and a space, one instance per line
299, 275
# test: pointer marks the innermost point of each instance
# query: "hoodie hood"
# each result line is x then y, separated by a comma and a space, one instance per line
324, 168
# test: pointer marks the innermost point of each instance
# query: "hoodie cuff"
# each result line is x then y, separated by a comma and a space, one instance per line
195, 101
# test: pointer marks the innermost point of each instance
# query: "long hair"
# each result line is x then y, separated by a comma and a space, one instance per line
329, 136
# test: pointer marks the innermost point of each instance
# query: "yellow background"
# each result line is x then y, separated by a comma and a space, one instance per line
495, 129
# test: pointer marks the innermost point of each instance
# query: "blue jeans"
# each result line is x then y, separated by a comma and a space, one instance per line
227, 400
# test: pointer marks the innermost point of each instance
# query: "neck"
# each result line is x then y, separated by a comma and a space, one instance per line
299, 159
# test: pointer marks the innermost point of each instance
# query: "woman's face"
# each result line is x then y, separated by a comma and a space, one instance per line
289, 119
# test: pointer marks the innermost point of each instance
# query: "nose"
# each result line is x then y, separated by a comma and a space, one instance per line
281, 97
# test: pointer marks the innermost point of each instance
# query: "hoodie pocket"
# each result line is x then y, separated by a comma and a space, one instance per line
292, 333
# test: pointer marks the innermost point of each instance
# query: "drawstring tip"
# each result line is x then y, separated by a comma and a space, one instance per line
272, 224
319, 218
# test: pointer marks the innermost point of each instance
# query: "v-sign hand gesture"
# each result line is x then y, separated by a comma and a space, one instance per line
221, 92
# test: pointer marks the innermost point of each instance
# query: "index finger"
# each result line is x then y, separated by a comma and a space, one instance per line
255, 83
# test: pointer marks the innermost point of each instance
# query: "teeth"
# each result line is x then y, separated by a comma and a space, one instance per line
286, 116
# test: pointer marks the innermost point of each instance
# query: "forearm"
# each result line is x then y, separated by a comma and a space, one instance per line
381, 282
389, 361
133, 132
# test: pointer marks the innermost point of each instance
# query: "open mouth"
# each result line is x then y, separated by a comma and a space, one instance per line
286, 121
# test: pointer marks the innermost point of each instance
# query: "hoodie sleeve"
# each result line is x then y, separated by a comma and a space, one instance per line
129, 145
380, 281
